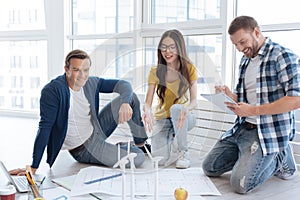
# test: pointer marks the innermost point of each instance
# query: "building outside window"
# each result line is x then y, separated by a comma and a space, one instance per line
23, 54
280, 22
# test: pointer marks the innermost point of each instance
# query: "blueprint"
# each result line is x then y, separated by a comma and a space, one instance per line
192, 179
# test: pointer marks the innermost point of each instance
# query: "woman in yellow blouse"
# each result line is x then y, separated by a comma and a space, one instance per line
174, 80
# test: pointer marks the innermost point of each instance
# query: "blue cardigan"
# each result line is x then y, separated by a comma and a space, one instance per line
54, 109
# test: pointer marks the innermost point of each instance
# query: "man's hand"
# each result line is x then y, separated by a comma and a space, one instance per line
22, 171
227, 91
125, 113
242, 109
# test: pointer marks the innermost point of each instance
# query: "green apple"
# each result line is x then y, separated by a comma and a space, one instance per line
180, 194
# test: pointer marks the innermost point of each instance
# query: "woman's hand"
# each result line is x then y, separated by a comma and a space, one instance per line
183, 115
148, 119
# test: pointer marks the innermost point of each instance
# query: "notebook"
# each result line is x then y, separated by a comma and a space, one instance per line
20, 182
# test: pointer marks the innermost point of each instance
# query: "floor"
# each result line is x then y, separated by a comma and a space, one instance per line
17, 136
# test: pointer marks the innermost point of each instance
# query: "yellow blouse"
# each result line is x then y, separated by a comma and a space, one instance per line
171, 92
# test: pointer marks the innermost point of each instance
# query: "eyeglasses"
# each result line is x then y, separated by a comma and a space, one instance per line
164, 48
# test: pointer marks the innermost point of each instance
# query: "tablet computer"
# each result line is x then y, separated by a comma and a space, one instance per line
219, 100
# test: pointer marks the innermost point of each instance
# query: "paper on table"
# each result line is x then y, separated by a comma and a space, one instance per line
65, 182
92, 173
151, 198
60, 193
218, 99
192, 179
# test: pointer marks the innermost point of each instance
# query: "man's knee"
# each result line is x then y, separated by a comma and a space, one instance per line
240, 184
207, 168
135, 99
212, 167
139, 160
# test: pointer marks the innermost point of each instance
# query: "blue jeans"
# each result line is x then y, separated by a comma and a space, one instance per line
242, 154
97, 151
165, 130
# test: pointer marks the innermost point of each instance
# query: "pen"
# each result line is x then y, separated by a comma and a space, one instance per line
103, 179
42, 180
95, 196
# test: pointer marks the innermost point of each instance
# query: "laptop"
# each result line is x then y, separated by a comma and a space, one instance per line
20, 182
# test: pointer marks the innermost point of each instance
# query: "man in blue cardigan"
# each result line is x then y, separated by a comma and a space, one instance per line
70, 118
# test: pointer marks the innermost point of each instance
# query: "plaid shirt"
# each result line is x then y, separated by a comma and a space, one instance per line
278, 76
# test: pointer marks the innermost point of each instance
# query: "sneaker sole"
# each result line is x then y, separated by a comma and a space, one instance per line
182, 167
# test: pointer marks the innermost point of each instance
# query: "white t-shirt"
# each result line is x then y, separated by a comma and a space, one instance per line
80, 127
250, 84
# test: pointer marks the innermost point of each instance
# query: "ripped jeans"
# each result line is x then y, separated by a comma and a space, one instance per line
242, 154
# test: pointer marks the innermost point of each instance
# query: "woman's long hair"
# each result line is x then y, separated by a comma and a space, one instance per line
184, 76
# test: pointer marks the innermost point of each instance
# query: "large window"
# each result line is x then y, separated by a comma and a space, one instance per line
102, 17
164, 11
270, 11
23, 54
121, 49
22, 15
21, 62
105, 30
278, 20
122, 37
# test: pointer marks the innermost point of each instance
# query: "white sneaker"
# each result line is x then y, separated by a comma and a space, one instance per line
173, 155
288, 167
183, 161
